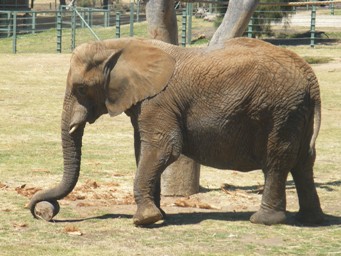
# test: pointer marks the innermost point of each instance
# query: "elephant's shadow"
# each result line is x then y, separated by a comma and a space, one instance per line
177, 219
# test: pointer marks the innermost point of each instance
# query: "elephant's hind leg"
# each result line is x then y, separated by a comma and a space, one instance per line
310, 210
272, 209
281, 157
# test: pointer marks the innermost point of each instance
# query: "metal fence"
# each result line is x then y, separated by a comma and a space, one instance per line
62, 29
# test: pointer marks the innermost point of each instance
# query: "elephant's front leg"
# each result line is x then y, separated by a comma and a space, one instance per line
152, 163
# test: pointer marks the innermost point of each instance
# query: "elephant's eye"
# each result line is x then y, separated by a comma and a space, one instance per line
82, 89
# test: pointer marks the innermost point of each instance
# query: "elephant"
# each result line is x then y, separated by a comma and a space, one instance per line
246, 106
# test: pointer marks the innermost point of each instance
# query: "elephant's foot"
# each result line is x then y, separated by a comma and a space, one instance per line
147, 214
310, 217
268, 217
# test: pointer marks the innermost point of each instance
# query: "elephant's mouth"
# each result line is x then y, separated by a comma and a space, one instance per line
91, 120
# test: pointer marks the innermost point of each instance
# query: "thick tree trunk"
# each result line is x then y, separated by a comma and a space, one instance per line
161, 18
182, 177
235, 21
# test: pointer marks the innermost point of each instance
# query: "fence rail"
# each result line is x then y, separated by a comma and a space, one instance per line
61, 30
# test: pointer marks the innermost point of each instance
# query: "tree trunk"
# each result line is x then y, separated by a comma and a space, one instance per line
235, 21
162, 23
182, 177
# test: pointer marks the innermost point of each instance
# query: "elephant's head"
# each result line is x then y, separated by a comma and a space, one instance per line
109, 76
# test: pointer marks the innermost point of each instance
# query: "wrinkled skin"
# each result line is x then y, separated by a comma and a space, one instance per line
247, 106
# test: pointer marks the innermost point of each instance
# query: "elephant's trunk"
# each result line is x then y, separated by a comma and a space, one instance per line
71, 143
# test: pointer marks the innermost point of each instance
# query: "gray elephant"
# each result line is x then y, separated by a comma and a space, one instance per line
247, 106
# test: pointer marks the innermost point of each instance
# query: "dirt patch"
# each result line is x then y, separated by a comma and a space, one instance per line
27, 191
93, 193
192, 203
3, 186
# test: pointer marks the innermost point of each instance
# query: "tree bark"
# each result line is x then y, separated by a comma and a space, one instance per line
162, 23
235, 21
182, 177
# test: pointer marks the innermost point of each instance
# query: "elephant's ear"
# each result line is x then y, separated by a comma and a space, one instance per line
134, 73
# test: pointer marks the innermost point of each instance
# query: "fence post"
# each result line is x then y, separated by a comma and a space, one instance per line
34, 14
9, 17
59, 30
250, 27
312, 26
90, 17
73, 28
183, 29
118, 25
83, 13
190, 15
131, 33
14, 42
332, 8
138, 11
106, 18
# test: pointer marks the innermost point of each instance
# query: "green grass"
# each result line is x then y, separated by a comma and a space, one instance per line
317, 60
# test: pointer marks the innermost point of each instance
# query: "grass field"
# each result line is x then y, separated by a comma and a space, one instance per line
96, 218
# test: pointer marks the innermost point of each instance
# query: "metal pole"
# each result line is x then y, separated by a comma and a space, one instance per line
131, 33
332, 8
312, 26
190, 15
83, 15
73, 28
138, 11
118, 25
59, 30
34, 22
106, 18
9, 21
91, 17
14, 45
184, 25
250, 28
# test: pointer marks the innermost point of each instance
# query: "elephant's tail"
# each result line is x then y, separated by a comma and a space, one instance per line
317, 123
